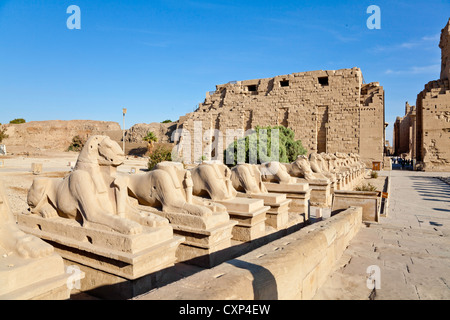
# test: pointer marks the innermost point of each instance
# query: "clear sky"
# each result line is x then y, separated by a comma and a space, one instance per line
158, 58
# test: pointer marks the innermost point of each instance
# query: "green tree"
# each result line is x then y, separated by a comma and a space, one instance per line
151, 138
259, 146
3, 134
17, 121
167, 121
77, 144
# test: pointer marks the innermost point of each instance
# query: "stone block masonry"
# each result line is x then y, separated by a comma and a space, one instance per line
405, 132
433, 136
329, 111
444, 44
433, 115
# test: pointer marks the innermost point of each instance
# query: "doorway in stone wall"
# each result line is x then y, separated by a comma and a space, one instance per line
283, 114
322, 120
248, 119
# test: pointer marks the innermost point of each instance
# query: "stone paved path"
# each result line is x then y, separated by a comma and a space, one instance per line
411, 246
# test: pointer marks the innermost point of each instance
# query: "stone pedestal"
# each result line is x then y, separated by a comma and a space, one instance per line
205, 236
250, 215
298, 193
338, 183
333, 186
321, 195
32, 279
108, 257
278, 214
368, 200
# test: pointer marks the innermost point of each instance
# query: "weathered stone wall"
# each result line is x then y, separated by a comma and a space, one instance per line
444, 44
433, 116
433, 145
329, 111
372, 134
405, 132
293, 267
138, 131
57, 135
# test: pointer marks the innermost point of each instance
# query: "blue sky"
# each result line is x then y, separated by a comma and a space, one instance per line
159, 58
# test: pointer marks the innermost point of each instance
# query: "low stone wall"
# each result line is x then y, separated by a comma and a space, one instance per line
293, 267
370, 201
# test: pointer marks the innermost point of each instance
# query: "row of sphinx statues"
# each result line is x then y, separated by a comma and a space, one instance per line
95, 193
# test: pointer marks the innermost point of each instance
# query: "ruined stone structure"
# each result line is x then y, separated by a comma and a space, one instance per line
405, 132
433, 115
57, 135
445, 52
329, 111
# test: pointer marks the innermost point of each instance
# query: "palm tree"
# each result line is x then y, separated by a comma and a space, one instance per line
151, 139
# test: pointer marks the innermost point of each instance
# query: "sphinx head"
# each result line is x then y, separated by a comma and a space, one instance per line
103, 151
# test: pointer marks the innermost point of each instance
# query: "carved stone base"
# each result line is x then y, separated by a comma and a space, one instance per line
102, 251
298, 193
250, 215
278, 214
202, 247
204, 236
321, 195
32, 279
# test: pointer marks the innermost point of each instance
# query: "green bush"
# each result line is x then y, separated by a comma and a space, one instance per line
288, 147
3, 135
77, 144
17, 121
366, 187
374, 175
167, 121
159, 154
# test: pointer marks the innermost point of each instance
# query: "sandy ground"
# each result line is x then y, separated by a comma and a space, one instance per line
17, 177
